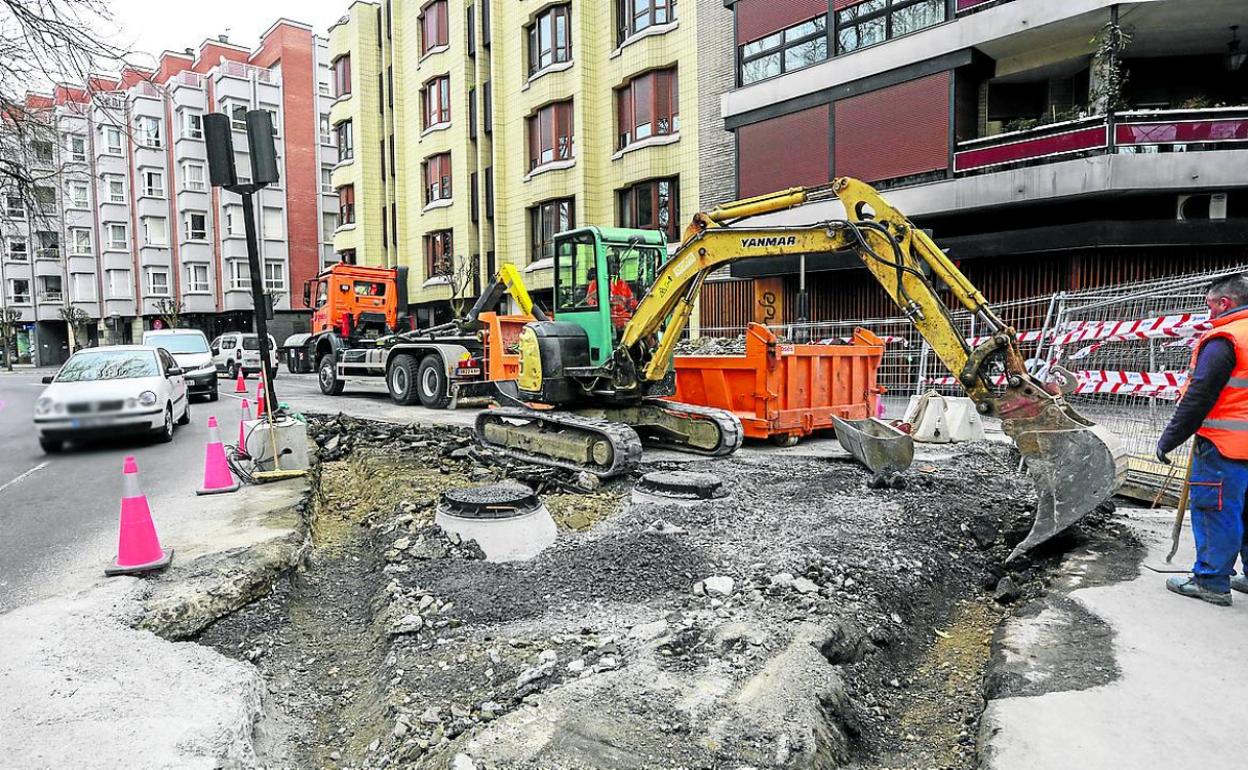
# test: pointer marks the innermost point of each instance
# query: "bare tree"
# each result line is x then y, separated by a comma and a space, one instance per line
461, 274
9, 319
170, 310
76, 320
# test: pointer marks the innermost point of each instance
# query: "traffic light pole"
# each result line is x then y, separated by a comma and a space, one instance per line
258, 300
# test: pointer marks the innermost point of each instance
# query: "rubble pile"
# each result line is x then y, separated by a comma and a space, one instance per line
803, 620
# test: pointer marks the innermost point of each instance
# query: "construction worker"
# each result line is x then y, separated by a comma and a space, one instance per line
1214, 406
623, 301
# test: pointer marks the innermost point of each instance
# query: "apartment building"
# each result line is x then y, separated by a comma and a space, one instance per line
127, 222
1048, 144
469, 132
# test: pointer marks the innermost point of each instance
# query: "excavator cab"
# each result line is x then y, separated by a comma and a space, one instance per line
601, 274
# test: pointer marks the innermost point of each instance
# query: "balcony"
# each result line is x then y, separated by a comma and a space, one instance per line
51, 297
233, 69
188, 79
1131, 132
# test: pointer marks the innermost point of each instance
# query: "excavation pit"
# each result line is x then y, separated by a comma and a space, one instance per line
508, 521
686, 487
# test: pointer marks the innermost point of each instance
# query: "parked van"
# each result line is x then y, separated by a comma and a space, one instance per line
233, 351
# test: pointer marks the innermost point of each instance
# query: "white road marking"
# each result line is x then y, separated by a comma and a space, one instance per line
38, 467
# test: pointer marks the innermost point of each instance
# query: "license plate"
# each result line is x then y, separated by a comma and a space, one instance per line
87, 422
468, 372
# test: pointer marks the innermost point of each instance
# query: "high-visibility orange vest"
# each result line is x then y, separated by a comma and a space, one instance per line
1226, 425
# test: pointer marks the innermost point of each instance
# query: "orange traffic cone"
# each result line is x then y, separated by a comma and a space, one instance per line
138, 548
217, 477
240, 386
260, 401
246, 418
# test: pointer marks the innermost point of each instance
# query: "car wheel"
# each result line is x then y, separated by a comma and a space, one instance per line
327, 376
402, 380
432, 384
231, 371
185, 419
214, 394
165, 433
50, 445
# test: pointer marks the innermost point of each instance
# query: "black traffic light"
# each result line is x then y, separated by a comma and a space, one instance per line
220, 141
263, 151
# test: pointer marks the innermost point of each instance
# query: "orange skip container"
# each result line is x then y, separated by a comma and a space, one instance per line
785, 391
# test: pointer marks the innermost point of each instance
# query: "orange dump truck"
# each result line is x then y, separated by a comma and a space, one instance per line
784, 391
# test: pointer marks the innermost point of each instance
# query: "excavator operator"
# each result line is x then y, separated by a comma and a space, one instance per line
623, 300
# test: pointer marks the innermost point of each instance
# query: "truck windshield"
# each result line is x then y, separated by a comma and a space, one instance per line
179, 343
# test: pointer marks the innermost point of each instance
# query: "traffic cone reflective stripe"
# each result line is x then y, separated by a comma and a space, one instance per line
138, 548
217, 477
242, 439
240, 386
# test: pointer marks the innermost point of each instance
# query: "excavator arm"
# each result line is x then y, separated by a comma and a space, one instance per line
1075, 463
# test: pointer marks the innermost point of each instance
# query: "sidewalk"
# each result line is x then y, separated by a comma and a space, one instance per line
1164, 676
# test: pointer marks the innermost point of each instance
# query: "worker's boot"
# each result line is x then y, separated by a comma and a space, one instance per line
1240, 583
1188, 586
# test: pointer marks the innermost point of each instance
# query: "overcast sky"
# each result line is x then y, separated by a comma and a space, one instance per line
152, 26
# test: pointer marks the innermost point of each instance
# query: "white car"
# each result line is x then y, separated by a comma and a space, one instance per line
112, 391
241, 350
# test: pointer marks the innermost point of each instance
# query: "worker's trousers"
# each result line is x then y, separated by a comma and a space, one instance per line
1218, 491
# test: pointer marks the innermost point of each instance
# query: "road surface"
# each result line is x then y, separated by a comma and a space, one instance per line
58, 513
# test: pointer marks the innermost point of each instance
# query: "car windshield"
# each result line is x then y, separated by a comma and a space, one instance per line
180, 343
92, 365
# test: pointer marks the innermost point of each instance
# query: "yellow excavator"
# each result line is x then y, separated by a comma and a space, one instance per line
591, 382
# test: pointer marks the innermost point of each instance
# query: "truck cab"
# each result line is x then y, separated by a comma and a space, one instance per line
357, 302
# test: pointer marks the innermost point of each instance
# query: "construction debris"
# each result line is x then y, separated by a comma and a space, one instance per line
800, 620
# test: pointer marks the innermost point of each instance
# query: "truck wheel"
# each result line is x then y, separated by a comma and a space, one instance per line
432, 383
401, 380
327, 376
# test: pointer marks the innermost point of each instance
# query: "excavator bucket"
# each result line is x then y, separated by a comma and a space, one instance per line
1075, 464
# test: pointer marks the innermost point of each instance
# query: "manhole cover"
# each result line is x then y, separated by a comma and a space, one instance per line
682, 485
498, 501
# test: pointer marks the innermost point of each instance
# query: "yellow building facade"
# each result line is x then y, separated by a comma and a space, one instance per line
481, 128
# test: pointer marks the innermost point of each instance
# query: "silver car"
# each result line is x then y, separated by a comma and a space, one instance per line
112, 391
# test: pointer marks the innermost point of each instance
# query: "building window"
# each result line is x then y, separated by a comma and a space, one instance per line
648, 106
116, 186
147, 132
546, 219
80, 241
50, 288
19, 291
472, 113
234, 224
635, 16
324, 89
158, 283
49, 245
153, 183
43, 151
485, 23
118, 284
433, 27
438, 178
435, 101
192, 125
438, 250
327, 185
550, 134
785, 51
474, 198
45, 199
487, 107
195, 226
652, 205
14, 208
346, 141
19, 250
489, 193
874, 21
274, 275
275, 119
346, 205
472, 30
112, 140
327, 131
272, 223
550, 38
196, 279
79, 194
77, 145
240, 275
329, 223
193, 176
117, 240
342, 75
83, 287
155, 231
238, 114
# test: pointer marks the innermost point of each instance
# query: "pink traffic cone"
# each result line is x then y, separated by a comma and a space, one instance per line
138, 548
242, 439
239, 385
217, 477
260, 401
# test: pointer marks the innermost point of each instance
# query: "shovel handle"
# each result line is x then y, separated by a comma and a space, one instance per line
1181, 509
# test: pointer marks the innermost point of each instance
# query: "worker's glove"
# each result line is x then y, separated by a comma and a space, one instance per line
1161, 457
